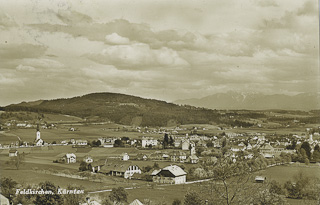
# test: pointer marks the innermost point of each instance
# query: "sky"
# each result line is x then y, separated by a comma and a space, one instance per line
167, 50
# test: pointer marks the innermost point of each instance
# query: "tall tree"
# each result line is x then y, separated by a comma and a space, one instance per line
74, 199
118, 195
192, 198
49, 199
306, 146
165, 140
231, 180
8, 187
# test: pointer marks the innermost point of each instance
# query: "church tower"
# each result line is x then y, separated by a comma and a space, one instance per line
38, 133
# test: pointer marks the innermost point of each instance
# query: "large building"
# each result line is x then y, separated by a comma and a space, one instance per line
146, 142
120, 168
172, 174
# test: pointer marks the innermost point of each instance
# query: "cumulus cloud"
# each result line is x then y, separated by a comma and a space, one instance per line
25, 68
114, 38
138, 56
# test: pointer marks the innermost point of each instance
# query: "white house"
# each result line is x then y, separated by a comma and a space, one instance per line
172, 174
88, 159
124, 156
185, 144
71, 158
81, 142
124, 169
13, 153
148, 141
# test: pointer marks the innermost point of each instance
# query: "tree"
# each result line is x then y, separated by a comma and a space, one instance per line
118, 195
165, 140
8, 187
298, 188
118, 143
171, 141
156, 165
16, 161
192, 198
306, 146
74, 199
49, 199
176, 202
231, 180
275, 187
83, 166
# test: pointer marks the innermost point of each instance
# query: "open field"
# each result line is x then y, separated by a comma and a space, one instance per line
284, 173
88, 132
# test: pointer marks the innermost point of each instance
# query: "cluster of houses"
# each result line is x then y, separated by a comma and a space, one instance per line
128, 169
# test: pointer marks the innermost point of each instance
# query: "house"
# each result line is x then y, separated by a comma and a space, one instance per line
88, 159
107, 142
172, 174
124, 156
81, 142
68, 158
193, 159
13, 153
120, 168
136, 202
185, 144
96, 166
146, 142
260, 179
178, 156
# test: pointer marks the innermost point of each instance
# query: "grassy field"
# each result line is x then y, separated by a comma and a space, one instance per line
286, 172
168, 193
88, 132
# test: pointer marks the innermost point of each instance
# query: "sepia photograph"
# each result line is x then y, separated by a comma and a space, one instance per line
159, 102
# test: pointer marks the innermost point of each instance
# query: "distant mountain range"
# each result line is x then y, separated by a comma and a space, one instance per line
255, 101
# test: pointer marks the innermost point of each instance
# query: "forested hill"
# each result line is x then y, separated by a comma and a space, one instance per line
120, 108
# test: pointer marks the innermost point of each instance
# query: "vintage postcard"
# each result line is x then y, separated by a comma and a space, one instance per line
159, 102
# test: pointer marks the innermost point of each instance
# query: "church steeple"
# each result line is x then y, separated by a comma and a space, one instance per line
38, 133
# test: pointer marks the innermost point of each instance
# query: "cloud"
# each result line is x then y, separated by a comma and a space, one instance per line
114, 38
19, 51
25, 68
308, 8
138, 56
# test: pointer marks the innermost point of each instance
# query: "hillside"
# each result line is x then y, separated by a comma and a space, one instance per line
255, 101
120, 108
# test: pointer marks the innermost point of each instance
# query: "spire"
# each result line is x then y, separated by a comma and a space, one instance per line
38, 128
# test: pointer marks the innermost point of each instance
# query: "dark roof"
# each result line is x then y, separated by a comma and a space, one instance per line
13, 151
118, 166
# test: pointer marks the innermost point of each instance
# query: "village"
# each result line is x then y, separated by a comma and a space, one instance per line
142, 157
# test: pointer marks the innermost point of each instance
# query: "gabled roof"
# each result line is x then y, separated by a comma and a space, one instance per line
266, 146
71, 155
194, 157
118, 166
155, 172
136, 202
174, 170
13, 151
